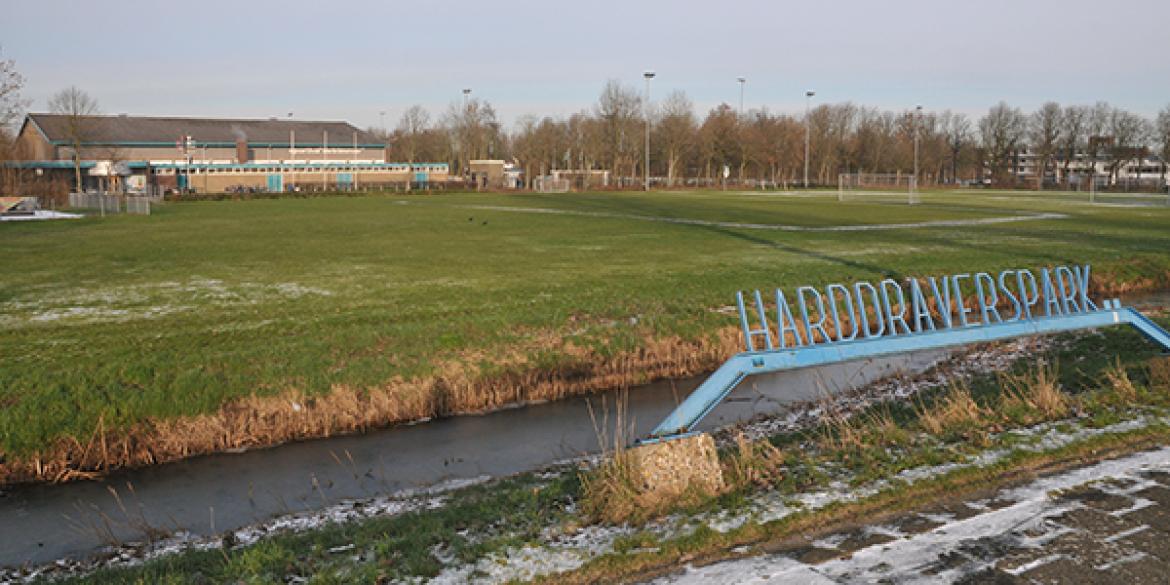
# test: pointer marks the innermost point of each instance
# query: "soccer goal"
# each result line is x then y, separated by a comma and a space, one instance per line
877, 186
549, 184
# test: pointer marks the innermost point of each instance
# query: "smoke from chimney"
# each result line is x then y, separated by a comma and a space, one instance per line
241, 144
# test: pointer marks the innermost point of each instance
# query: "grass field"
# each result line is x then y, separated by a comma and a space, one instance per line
111, 326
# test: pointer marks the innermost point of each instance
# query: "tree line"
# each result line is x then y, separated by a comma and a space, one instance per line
760, 145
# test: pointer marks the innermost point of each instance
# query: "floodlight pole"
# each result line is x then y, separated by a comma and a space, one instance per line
807, 131
466, 111
742, 81
648, 75
917, 121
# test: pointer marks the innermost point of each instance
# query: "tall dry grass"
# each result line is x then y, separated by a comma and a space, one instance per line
1034, 395
610, 492
860, 432
1117, 380
753, 464
955, 411
1159, 374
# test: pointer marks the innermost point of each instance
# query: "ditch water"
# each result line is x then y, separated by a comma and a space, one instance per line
211, 494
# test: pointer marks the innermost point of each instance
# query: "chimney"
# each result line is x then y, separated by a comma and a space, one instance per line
241, 150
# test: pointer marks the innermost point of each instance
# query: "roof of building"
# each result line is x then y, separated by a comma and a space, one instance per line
123, 129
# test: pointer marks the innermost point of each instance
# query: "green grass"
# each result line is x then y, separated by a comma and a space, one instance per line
125, 319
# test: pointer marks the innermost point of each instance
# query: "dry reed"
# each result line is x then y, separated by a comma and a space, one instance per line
954, 411
1159, 373
1035, 393
259, 421
1116, 378
753, 464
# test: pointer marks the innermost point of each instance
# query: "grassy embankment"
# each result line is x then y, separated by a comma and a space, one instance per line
1098, 380
217, 325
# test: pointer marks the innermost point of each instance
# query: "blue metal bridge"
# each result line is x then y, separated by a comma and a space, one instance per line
711, 392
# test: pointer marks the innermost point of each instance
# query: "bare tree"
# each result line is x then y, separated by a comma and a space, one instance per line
474, 131
1001, 131
11, 104
1096, 130
619, 113
675, 134
1044, 130
78, 108
719, 139
1130, 134
410, 133
958, 139
1073, 138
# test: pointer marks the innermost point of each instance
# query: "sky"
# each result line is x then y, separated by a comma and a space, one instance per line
354, 60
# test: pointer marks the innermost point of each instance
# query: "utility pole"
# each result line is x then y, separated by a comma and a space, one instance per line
807, 131
648, 75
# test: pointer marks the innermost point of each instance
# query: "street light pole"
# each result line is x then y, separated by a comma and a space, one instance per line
742, 81
917, 118
917, 132
648, 75
466, 109
807, 131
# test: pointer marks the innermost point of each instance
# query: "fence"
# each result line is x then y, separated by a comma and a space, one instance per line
104, 203
138, 205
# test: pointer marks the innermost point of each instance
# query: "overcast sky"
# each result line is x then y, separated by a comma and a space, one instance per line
352, 60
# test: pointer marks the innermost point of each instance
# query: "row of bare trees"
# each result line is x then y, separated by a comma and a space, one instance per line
757, 145
764, 146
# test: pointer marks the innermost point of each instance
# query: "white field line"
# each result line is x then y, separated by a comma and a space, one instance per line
774, 227
1153, 204
1054, 194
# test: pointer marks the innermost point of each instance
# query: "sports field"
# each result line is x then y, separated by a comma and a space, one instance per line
207, 325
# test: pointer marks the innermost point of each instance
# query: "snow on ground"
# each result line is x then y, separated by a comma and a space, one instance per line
41, 214
79, 305
914, 558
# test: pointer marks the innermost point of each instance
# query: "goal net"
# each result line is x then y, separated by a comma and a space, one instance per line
877, 186
548, 184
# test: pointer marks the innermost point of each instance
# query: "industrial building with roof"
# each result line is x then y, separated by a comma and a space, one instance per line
154, 155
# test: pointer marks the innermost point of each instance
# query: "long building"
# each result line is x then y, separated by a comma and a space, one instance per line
146, 154
1143, 170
